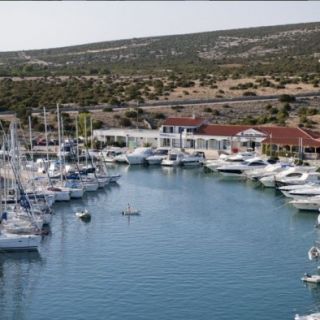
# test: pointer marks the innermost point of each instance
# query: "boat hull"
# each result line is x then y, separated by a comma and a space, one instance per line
14, 242
76, 193
91, 186
308, 206
62, 196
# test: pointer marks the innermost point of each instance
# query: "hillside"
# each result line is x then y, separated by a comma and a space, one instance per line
277, 60
251, 51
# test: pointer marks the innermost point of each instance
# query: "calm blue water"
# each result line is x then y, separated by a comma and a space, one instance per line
203, 248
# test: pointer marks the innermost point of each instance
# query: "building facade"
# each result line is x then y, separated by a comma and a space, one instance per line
197, 133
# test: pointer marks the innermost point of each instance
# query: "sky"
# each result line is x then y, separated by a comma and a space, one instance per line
36, 25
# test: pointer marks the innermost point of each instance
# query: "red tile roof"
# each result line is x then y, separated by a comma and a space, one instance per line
221, 130
276, 135
188, 122
232, 130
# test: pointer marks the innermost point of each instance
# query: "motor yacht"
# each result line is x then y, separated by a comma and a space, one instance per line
306, 177
293, 172
309, 204
121, 158
237, 170
270, 169
192, 160
304, 193
139, 155
158, 156
173, 159
228, 159
109, 155
286, 190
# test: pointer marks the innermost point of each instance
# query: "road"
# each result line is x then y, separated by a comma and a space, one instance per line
171, 103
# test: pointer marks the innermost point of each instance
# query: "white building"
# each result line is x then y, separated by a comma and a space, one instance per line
129, 137
196, 133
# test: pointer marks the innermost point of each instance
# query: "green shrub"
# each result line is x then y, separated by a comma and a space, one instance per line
249, 94
159, 116
286, 98
131, 114
125, 122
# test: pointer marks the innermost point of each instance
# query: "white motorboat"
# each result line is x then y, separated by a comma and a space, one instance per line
309, 204
311, 278
93, 153
18, 242
158, 156
314, 252
173, 159
270, 169
139, 155
287, 189
293, 172
109, 155
237, 170
304, 193
228, 159
306, 177
120, 158
83, 214
192, 160
313, 316
129, 211
317, 225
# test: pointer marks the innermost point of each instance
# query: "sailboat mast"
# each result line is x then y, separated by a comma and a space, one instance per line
59, 139
77, 137
85, 138
30, 137
91, 133
63, 139
46, 132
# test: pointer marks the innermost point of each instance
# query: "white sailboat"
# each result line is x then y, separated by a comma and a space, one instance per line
18, 242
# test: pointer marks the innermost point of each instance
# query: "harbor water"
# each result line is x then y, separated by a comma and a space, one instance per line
203, 248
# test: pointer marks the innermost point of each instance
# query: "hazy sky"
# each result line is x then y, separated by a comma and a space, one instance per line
35, 25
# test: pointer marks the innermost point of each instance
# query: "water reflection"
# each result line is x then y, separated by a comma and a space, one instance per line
31, 256
17, 281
